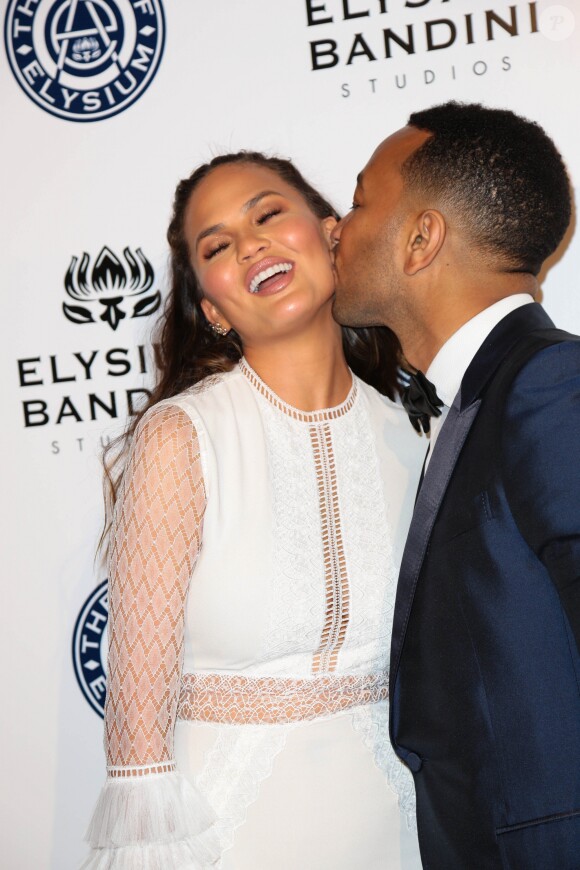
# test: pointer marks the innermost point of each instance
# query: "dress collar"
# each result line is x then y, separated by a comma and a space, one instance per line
320, 416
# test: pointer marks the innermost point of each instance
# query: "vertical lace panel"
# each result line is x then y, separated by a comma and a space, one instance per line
368, 514
336, 577
156, 540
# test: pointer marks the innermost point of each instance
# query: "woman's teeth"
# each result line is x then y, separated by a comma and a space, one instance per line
268, 273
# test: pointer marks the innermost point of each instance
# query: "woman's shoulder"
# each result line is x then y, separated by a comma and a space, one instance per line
205, 390
165, 419
198, 403
213, 392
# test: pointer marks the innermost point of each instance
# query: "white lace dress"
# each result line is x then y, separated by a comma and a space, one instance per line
252, 584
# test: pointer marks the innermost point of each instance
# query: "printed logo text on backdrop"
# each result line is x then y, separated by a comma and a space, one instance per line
89, 647
111, 292
370, 48
84, 60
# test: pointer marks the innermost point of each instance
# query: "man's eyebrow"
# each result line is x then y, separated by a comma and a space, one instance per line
247, 206
359, 179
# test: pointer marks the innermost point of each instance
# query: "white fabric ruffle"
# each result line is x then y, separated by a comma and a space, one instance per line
153, 822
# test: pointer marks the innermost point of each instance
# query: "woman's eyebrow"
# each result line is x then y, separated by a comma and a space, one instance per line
215, 228
256, 199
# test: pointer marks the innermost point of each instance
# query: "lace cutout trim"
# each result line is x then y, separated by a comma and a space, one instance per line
336, 577
303, 416
239, 700
116, 772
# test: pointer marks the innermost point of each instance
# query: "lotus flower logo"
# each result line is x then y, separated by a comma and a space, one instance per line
86, 49
108, 285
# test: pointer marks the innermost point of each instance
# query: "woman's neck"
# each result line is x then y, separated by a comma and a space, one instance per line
307, 371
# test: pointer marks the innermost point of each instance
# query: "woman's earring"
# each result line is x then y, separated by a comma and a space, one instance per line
218, 329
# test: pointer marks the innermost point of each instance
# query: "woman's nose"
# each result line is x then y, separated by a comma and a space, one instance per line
250, 244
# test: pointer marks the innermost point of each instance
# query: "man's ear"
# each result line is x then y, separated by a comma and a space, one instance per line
424, 241
213, 314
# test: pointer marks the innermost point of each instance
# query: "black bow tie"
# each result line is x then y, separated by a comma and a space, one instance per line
421, 402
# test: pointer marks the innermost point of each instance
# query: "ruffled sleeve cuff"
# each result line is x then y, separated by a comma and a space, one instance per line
156, 821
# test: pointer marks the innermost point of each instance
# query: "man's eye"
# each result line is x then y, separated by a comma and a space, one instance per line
354, 206
272, 212
213, 251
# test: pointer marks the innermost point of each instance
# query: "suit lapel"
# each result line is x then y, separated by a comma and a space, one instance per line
445, 453
447, 448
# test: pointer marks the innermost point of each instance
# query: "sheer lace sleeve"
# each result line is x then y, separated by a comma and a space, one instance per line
148, 816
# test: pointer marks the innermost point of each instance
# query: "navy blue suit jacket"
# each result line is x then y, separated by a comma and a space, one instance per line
485, 661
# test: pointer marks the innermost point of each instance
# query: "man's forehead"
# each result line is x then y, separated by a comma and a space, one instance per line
394, 150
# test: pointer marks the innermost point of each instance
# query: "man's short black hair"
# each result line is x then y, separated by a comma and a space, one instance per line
500, 173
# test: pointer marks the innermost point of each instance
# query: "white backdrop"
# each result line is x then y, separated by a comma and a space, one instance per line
291, 77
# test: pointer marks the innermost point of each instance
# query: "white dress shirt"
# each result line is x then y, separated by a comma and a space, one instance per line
452, 361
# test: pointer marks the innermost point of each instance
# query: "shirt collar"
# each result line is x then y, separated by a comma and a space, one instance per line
452, 361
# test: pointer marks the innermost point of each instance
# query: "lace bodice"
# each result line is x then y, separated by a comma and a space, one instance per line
252, 553
297, 570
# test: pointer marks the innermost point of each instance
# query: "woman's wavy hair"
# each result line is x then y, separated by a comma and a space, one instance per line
187, 350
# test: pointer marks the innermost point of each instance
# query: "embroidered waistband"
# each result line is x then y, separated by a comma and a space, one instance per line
240, 700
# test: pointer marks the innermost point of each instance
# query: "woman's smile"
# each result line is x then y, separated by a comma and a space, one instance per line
269, 276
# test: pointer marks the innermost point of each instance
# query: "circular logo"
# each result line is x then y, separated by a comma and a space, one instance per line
84, 60
89, 647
